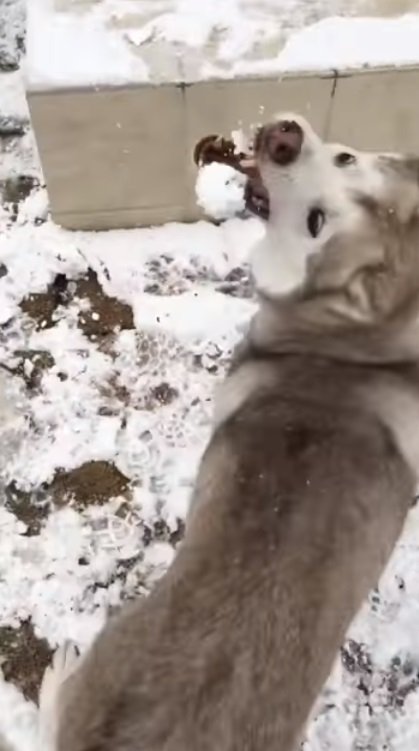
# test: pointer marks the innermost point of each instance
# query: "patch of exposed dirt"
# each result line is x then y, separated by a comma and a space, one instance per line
41, 306
23, 658
15, 189
102, 314
30, 508
93, 483
106, 314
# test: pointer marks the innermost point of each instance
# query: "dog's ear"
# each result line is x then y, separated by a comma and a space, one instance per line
401, 177
406, 166
412, 164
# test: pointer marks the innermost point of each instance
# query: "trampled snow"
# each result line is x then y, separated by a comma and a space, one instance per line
65, 578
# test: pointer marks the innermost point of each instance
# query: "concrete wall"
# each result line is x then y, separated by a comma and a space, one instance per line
122, 157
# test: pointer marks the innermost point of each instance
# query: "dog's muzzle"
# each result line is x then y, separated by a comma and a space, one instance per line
280, 142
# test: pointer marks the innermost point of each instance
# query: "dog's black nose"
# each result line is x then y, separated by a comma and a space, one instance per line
281, 142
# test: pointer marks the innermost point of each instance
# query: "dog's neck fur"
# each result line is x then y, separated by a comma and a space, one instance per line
292, 326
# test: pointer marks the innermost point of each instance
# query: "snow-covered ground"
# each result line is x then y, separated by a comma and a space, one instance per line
114, 342
120, 41
121, 389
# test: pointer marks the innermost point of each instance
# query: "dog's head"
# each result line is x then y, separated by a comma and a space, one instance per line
338, 219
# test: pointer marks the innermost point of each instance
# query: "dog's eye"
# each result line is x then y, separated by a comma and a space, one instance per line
344, 158
316, 221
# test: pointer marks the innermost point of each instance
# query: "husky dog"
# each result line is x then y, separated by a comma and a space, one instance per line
304, 488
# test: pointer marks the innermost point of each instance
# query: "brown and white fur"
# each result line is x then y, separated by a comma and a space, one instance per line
302, 491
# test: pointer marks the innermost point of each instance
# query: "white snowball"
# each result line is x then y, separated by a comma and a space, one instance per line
220, 190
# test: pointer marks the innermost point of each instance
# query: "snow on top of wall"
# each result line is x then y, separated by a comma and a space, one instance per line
339, 43
70, 49
74, 43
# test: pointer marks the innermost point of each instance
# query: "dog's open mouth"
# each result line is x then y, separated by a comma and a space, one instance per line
214, 148
256, 197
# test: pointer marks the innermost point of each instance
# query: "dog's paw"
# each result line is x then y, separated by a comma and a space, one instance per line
65, 660
64, 663
256, 198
